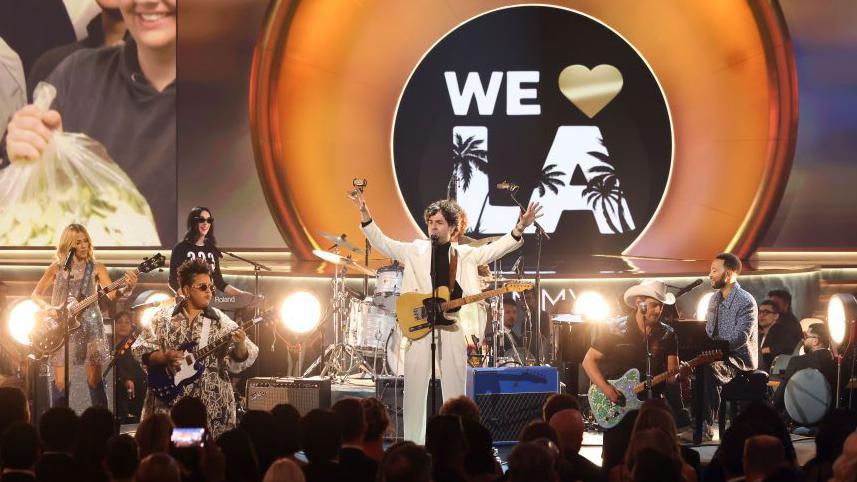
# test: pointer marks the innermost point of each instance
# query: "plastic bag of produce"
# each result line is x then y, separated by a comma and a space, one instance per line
75, 181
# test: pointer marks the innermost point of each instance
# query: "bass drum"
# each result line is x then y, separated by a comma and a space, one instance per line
395, 352
368, 326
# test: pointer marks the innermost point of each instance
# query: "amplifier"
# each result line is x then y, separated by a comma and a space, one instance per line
390, 391
305, 394
510, 398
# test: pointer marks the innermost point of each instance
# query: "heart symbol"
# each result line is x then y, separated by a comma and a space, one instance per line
590, 90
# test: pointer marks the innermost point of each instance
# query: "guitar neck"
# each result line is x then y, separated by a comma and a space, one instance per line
223, 340
662, 377
452, 304
84, 303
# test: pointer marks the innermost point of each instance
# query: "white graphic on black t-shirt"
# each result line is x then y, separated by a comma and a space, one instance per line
208, 257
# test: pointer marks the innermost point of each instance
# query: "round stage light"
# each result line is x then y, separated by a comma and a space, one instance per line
592, 306
22, 319
702, 306
841, 312
300, 312
150, 301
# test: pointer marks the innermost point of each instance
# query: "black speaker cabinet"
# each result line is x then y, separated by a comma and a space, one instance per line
506, 414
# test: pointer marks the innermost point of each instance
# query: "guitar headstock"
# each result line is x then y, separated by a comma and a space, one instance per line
269, 316
517, 286
707, 357
152, 263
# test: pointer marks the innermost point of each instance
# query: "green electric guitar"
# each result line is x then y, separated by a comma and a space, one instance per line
609, 414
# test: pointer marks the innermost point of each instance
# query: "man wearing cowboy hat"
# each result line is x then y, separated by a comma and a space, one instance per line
616, 351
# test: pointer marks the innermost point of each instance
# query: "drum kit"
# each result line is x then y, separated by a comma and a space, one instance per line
367, 341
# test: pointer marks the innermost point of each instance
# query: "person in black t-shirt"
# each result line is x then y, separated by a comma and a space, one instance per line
615, 351
124, 97
199, 243
776, 337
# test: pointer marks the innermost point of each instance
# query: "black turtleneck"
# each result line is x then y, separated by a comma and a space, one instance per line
442, 270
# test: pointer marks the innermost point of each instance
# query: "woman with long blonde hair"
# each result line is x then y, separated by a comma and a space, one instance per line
86, 343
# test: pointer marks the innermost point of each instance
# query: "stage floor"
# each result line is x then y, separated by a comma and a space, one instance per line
592, 440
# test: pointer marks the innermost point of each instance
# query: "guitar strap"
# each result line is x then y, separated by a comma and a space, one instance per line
453, 268
87, 278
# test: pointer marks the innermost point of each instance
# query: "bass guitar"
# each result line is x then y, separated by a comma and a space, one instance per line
609, 414
167, 382
48, 333
415, 312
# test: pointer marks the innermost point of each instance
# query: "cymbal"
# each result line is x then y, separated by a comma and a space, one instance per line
567, 318
343, 261
341, 242
475, 243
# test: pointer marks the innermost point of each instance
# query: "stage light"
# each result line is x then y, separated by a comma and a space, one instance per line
591, 306
300, 312
841, 314
150, 301
702, 306
22, 319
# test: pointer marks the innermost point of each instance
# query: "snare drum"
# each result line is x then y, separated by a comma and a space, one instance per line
368, 326
388, 280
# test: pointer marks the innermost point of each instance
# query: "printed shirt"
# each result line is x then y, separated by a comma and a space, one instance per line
168, 332
737, 322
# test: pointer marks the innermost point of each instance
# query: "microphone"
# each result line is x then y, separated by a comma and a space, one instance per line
360, 183
67, 265
507, 186
434, 239
688, 288
644, 308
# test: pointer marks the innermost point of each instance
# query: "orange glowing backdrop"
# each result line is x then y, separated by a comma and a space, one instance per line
327, 76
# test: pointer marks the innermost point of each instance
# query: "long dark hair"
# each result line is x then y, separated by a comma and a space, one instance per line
193, 227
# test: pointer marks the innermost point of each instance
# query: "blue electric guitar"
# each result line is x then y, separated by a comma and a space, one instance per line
168, 382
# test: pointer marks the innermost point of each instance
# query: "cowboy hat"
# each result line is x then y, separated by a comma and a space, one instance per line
653, 288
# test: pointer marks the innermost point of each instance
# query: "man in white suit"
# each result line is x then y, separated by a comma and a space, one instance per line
452, 261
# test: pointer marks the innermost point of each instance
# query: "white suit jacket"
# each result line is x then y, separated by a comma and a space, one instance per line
416, 256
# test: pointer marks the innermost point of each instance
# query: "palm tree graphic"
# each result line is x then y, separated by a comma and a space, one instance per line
466, 155
603, 189
550, 179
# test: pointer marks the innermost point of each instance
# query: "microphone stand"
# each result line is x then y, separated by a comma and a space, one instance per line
64, 315
366, 264
528, 320
257, 267
433, 320
540, 235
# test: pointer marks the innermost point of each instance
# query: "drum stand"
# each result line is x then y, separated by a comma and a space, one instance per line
340, 359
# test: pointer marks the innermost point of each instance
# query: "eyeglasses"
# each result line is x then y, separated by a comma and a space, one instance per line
807, 336
200, 220
204, 287
767, 312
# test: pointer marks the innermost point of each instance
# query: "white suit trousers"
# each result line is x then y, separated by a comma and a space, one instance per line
451, 366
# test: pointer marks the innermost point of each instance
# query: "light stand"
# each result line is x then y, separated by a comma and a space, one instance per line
841, 321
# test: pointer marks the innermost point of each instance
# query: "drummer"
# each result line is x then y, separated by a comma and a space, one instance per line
510, 336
